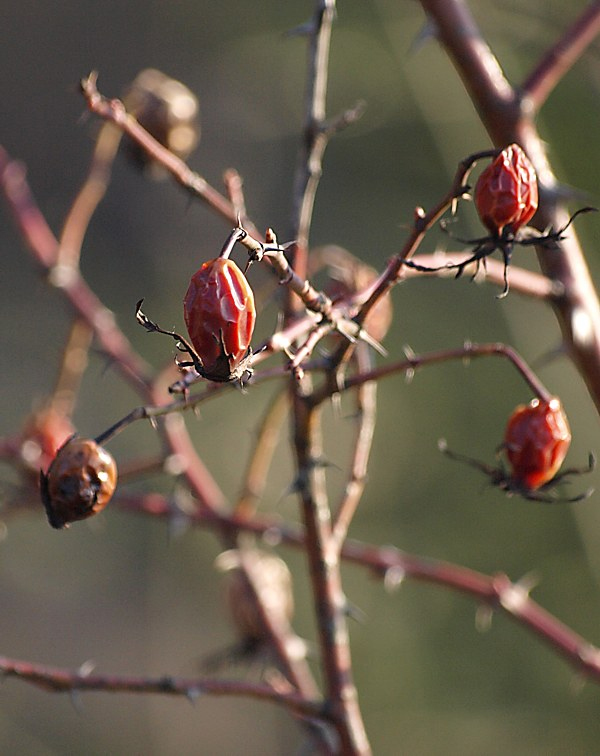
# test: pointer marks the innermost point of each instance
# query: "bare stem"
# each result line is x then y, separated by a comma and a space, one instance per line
466, 352
561, 57
394, 565
60, 680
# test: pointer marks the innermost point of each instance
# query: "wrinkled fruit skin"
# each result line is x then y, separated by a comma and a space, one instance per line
79, 483
220, 315
506, 193
537, 439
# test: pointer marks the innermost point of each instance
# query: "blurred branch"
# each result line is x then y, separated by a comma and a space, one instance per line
366, 411
58, 680
44, 248
560, 58
394, 566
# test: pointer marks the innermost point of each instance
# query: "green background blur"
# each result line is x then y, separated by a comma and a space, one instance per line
120, 591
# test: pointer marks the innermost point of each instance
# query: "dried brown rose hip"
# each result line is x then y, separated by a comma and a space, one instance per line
506, 193
536, 441
168, 111
79, 483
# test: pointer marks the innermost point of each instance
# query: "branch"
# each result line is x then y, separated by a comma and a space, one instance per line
59, 680
561, 57
115, 112
394, 565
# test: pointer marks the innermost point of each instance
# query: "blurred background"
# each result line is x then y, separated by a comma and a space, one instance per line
120, 591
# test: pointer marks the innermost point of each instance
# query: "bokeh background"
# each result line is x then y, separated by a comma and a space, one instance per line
120, 591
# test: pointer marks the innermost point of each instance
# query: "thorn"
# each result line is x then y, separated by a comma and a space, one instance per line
86, 669
354, 612
393, 578
483, 618
428, 32
193, 694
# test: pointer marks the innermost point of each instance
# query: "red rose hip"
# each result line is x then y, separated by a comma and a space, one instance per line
219, 313
536, 440
506, 193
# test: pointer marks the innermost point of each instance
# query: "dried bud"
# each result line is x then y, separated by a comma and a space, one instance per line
167, 109
349, 275
269, 578
80, 482
536, 440
506, 193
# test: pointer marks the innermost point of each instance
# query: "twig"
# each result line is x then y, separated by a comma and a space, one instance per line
394, 565
366, 408
522, 281
59, 680
115, 112
561, 57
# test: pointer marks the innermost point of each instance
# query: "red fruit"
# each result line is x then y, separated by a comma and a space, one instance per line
537, 439
80, 482
219, 314
506, 193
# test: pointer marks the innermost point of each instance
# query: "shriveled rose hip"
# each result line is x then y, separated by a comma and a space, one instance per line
506, 193
79, 483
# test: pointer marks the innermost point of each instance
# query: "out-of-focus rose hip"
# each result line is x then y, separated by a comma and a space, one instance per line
506, 193
536, 440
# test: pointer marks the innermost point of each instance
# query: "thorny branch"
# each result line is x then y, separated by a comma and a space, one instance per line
564, 283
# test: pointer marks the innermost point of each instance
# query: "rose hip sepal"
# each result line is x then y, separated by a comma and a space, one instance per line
79, 483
